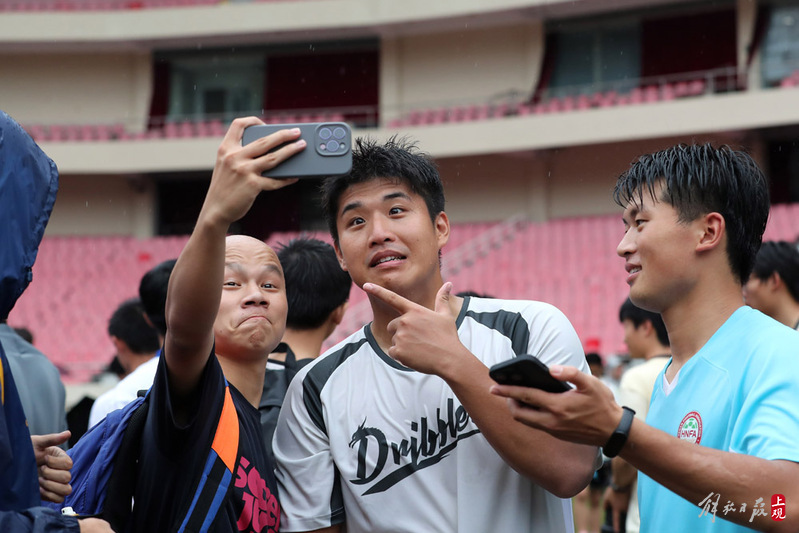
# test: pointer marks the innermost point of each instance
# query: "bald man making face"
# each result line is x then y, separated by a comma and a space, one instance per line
225, 312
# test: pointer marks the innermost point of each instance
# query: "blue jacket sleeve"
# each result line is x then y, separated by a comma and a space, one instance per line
38, 520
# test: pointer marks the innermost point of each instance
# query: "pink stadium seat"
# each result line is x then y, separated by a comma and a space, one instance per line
118, 131
500, 110
56, 132
437, 116
669, 92
554, 105
218, 129
583, 102
567, 103
72, 133
608, 99
481, 111
204, 129
37, 132
416, 117
171, 130
651, 94
696, 87
459, 114
524, 109
186, 129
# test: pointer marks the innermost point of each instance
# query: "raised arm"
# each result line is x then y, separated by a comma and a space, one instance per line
195, 285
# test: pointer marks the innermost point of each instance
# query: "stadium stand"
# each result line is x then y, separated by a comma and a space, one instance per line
103, 5
161, 128
570, 263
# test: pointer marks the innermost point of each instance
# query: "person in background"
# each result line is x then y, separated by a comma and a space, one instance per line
317, 291
773, 286
137, 343
588, 503
647, 341
39, 383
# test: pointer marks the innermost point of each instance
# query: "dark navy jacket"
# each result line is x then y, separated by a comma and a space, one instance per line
28, 185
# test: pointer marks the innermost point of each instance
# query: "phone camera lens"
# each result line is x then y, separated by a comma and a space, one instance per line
339, 133
332, 146
325, 133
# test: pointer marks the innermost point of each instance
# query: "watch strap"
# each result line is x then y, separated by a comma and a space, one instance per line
619, 437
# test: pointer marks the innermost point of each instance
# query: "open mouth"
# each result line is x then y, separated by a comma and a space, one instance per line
387, 259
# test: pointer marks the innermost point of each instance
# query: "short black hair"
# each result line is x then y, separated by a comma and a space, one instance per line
781, 257
127, 323
630, 311
397, 159
701, 179
25, 333
152, 292
315, 283
593, 358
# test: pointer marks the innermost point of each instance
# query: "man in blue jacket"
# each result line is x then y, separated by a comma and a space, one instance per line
28, 185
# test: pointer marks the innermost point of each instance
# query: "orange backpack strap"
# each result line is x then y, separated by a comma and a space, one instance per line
217, 472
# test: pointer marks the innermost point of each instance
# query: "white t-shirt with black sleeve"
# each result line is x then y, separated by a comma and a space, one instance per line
364, 440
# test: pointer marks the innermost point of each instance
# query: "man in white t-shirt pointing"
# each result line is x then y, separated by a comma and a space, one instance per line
394, 428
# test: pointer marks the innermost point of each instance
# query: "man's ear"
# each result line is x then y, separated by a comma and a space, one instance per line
647, 328
340, 257
338, 313
774, 281
119, 344
441, 224
713, 229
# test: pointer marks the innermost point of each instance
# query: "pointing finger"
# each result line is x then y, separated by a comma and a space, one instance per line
393, 299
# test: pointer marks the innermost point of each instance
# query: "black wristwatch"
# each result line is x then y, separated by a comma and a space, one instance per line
616, 441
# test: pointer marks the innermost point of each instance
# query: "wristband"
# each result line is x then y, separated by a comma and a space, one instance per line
616, 441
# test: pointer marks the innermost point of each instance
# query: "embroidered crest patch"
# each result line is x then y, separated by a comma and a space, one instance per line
691, 428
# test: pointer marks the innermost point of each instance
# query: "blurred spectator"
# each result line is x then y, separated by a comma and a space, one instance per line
773, 286
133, 337
40, 387
111, 373
647, 340
152, 294
25, 333
615, 366
588, 503
317, 291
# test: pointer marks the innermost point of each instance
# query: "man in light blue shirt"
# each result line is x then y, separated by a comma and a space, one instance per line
718, 451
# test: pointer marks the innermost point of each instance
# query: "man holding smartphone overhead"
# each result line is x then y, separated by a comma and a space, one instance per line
394, 429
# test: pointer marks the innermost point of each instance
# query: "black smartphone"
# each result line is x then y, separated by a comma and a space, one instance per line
526, 371
328, 153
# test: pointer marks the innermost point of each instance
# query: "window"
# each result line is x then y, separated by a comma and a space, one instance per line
298, 80
780, 56
598, 59
223, 86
